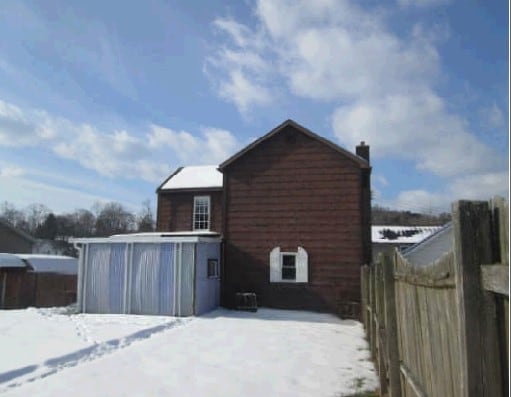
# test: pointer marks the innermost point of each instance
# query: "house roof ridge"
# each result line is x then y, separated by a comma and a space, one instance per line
290, 122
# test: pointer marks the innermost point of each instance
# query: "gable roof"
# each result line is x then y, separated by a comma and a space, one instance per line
194, 177
19, 232
290, 123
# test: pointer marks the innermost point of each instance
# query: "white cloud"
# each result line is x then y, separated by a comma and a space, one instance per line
150, 155
493, 116
417, 127
481, 186
380, 179
243, 92
214, 146
26, 190
244, 70
422, 3
421, 201
9, 172
383, 85
472, 187
320, 50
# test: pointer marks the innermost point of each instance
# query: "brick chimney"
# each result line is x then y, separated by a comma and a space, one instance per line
362, 150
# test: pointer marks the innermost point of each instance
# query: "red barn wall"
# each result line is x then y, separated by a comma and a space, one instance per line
292, 190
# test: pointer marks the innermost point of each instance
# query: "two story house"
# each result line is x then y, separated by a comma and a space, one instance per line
293, 209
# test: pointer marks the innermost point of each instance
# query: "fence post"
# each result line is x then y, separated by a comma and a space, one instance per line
391, 327
364, 272
480, 375
372, 298
379, 334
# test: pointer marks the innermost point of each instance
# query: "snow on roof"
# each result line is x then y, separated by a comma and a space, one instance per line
202, 176
155, 237
51, 263
401, 234
11, 260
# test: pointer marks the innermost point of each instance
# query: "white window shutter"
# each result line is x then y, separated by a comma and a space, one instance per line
302, 266
275, 275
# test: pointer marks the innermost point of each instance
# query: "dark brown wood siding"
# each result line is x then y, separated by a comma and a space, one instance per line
175, 210
292, 190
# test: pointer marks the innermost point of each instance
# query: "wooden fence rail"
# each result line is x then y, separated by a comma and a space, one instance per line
442, 329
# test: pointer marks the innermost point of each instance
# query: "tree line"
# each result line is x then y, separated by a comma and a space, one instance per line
387, 216
103, 219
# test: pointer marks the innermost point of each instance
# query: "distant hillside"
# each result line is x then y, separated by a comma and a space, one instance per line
386, 216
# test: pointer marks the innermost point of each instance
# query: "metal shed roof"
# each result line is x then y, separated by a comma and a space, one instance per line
11, 261
155, 237
51, 263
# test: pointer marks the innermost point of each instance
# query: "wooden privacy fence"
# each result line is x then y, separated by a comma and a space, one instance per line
442, 329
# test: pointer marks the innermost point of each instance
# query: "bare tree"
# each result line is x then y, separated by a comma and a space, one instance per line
145, 218
12, 215
85, 223
113, 218
35, 215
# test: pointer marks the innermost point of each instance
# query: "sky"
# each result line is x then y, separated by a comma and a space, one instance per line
101, 101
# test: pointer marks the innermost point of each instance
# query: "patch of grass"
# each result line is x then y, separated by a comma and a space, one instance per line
358, 385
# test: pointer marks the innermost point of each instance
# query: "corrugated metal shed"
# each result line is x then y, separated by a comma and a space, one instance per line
149, 273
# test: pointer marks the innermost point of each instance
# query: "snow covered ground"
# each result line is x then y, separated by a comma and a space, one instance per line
50, 352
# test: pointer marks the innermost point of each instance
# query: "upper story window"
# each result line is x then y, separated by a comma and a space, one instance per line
201, 212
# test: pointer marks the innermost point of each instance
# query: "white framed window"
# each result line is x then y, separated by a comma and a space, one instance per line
201, 212
289, 267
213, 268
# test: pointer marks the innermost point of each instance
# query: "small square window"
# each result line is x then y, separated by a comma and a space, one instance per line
213, 270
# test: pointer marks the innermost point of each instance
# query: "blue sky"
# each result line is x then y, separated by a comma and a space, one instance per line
102, 100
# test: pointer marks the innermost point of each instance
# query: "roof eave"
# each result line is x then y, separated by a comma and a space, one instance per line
191, 189
166, 180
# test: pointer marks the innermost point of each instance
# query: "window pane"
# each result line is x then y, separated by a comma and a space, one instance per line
288, 260
288, 273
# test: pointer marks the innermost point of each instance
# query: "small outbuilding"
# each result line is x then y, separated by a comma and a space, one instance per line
37, 280
175, 274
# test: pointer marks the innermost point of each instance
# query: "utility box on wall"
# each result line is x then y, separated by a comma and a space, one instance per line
175, 274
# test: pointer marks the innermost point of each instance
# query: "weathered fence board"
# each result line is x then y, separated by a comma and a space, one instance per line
495, 278
443, 328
